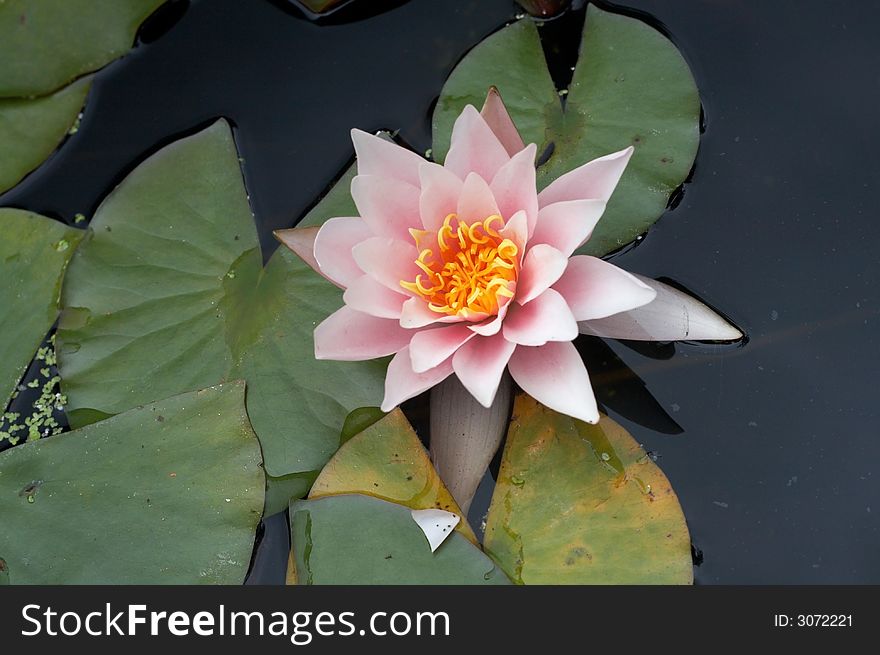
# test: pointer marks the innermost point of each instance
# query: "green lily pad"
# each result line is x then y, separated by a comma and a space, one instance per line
44, 44
631, 86
34, 251
387, 460
31, 129
282, 489
583, 504
168, 294
363, 540
359, 420
169, 493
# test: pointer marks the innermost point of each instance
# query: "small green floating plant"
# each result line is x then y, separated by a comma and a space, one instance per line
472, 271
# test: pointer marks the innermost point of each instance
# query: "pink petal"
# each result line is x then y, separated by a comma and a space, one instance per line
594, 180
567, 225
301, 241
514, 186
474, 147
541, 267
353, 336
429, 348
390, 207
499, 121
333, 245
416, 314
439, 195
402, 383
555, 376
546, 318
368, 296
479, 365
517, 230
388, 261
595, 289
378, 156
476, 202
492, 325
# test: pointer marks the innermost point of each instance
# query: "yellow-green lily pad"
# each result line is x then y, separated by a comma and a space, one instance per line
387, 460
583, 504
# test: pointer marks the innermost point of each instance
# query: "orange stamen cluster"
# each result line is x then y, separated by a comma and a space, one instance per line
467, 270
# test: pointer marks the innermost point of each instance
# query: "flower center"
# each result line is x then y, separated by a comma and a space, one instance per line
466, 268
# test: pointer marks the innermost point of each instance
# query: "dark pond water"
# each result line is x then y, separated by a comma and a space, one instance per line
773, 447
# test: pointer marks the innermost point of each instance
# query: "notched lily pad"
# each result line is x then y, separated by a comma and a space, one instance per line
631, 86
169, 294
168, 493
583, 504
356, 539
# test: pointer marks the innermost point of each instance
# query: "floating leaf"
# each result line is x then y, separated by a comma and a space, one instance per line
31, 129
583, 504
362, 540
169, 294
169, 493
388, 461
631, 86
34, 252
281, 489
47, 43
359, 420
673, 315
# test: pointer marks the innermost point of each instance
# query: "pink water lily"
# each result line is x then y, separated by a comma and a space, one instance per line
467, 269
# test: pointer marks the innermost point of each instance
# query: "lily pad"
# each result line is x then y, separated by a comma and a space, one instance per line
168, 294
31, 129
631, 86
362, 540
359, 420
34, 251
169, 493
388, 461
47, 43
583, 504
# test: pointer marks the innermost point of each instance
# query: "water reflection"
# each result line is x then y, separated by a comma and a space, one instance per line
618, 388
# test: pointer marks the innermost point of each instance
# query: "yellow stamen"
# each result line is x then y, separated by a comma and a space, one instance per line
469, 270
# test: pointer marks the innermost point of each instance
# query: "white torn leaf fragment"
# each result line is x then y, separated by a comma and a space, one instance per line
672, 316
436, 524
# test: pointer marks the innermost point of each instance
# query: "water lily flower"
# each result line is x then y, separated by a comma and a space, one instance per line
466, 269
